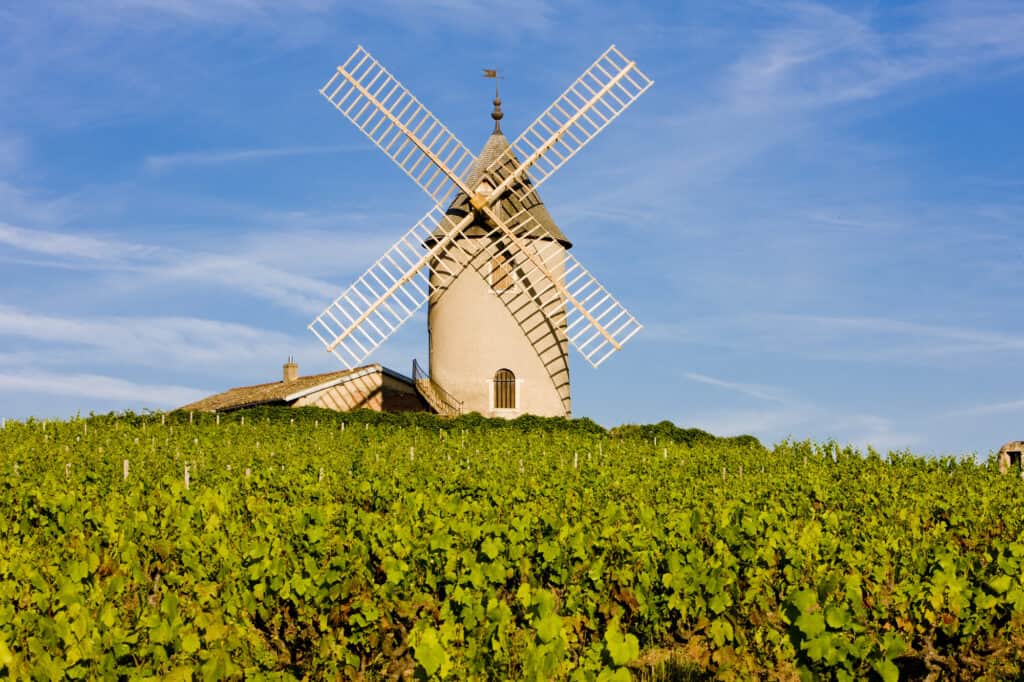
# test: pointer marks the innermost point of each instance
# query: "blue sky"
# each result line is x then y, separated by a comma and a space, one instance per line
816, 211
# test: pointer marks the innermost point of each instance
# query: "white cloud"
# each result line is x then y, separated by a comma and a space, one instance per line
69, 245
295, 292
217, 11
821, 56
858, 338
901, 338
990, 408
792, 416
18, 203
158, 342
527, 15
243, 271
98, 387
753, 390
13, 152
798, 419
163, 162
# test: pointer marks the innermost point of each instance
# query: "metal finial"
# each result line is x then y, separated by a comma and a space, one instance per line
496, 114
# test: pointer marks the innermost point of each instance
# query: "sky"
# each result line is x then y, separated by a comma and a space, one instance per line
816, 211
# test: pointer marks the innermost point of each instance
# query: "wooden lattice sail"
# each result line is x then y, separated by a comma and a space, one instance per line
433, 253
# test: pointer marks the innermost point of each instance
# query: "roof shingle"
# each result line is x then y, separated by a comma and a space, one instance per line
507, 206
262, 394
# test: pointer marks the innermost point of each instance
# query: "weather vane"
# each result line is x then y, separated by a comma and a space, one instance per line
496, 114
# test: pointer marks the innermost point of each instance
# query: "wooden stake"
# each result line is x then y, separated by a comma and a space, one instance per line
124, 466
186, 477
67, 470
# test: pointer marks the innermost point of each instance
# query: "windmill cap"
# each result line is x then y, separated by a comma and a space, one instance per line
495, 146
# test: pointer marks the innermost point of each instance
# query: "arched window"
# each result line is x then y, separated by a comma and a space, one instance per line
504, 390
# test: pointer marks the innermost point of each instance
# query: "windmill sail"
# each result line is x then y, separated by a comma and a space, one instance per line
394, 120
384, 297
391, 291
595, 99
597, 325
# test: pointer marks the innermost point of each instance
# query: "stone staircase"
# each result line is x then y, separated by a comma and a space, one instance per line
443, 402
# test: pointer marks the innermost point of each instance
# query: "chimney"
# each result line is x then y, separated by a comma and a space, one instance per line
291, 370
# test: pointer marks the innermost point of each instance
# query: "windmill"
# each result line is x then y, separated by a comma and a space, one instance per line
506, 298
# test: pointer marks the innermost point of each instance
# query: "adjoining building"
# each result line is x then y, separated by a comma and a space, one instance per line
1010, 457
371, 387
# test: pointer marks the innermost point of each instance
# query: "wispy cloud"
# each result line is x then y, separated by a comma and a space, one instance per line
164, 162
13, 152
265, 13
20, 204
898, 338
288, 290
790, 415
68, 245
857, 338
990, 408
158, 342
246, 272
96, 386
821, 56
752, 390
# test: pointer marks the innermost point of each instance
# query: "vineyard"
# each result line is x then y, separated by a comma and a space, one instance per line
311, 544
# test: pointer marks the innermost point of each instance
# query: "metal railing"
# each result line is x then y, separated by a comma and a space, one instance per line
441, 400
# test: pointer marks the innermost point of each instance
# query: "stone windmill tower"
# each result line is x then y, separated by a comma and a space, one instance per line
490, 342
506, 298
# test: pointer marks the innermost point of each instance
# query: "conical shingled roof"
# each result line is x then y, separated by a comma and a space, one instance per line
506, 207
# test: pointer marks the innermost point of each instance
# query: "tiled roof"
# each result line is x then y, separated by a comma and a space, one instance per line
262, 394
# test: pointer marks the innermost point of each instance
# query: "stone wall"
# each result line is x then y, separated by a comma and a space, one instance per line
374, 391
1014, 446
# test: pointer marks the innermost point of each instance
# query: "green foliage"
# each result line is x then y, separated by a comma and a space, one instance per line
359, 545
667, 432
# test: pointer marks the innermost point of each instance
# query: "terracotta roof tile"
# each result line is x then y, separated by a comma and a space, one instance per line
262, 394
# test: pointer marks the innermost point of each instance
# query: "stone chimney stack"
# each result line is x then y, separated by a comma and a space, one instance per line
291, 370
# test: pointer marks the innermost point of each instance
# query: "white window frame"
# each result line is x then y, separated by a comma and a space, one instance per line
505, 411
